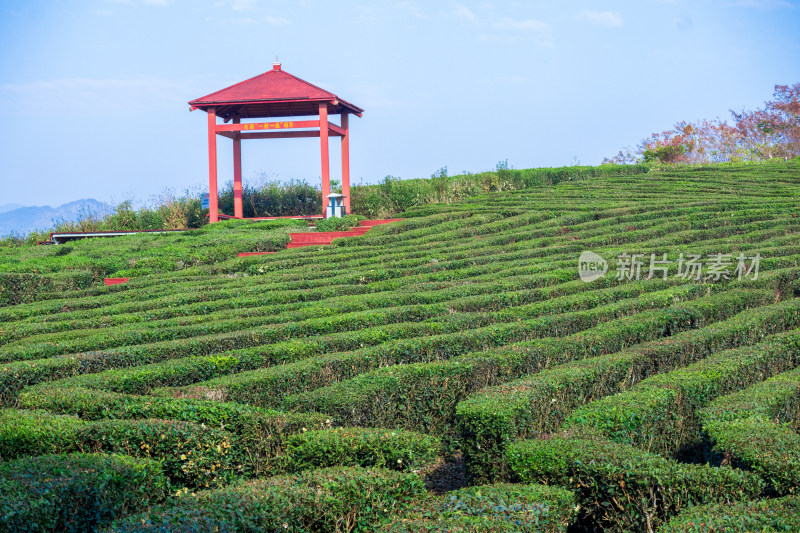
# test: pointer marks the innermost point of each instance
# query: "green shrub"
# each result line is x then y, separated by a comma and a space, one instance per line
259, 435
782, 514
493, 418
338, 223
190, 454
756, 428
333, 499
493, 508
23, 287
467, 524
271, 198
395, 449
424, 396
36, 433
460, 333
623, 488
390, 333
659, 413
393, 195
79, 492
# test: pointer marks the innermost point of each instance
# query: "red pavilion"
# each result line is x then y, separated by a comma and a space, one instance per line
275, 93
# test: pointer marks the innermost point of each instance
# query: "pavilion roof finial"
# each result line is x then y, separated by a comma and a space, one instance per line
277, 64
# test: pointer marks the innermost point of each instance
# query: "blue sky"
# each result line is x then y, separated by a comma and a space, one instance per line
94, 92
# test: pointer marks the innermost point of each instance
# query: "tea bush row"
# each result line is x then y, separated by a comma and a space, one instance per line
491, 419
619, 487
424, 396
659, 414
756, 428
334, 499
76, 492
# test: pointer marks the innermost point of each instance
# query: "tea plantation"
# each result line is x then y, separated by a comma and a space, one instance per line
453, 371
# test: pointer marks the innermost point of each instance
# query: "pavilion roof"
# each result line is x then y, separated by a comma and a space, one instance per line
275, 93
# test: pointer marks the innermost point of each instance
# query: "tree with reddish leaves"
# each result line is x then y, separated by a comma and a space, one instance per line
786, 105
773, 131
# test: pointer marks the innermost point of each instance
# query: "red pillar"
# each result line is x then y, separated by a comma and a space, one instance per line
346, 162
323, 139
238, 212
213, 207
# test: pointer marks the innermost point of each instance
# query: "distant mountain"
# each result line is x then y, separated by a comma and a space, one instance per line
23, 220
9, 207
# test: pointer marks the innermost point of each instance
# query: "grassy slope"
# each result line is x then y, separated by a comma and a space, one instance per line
456, 297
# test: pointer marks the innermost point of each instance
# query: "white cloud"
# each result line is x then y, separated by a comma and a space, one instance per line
243, 5
411, 9
602, 18
157, 2
527, 24
463, 12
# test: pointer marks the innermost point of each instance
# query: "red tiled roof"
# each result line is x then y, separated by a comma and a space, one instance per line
275, 93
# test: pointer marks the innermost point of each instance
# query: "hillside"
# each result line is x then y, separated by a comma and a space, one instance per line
21, 220
345, 387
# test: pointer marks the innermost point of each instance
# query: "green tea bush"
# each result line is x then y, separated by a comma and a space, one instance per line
493, 418
756, 428
36, 432
190, 454
259, 435
338, 223
333, 499
424, 396
30, 273
395, 449
76, 493
492, 508
781, 514
393, 195
398, 327
638, 490
659, 413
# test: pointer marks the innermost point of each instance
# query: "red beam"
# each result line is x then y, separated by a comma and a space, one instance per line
273, 134
269, 125
279, 135
336, 130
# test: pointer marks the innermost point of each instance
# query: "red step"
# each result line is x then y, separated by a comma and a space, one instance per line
248, 254
317, 238
321, 237
115, 281
311, 240
302, 244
